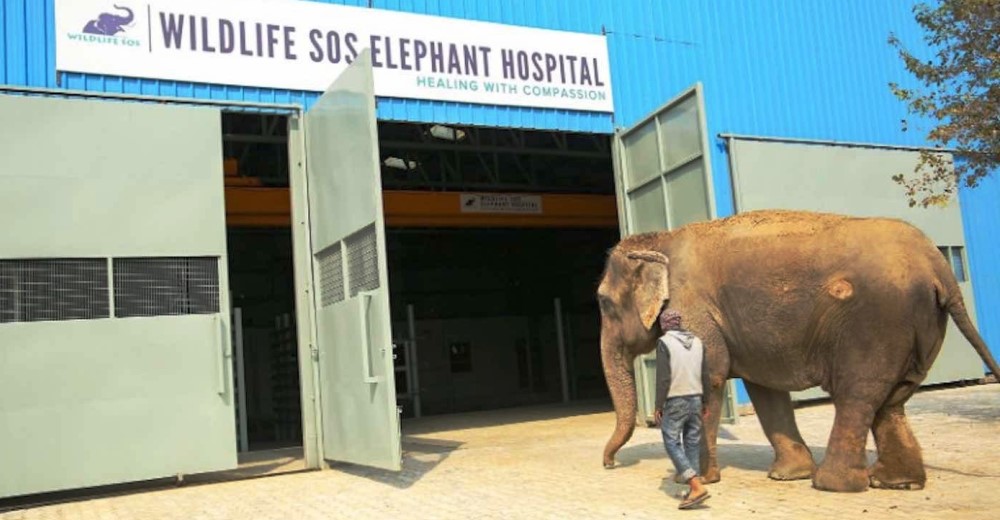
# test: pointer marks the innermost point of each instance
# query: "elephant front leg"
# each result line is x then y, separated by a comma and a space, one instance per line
717, 359
709, 455
845, 466
792, 458
900, 464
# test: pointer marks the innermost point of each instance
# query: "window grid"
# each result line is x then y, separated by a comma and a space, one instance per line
53, 289
362, 261
331, 275
63, 289
955, 256
166, 286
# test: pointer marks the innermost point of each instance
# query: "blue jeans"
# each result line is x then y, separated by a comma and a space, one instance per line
681, 428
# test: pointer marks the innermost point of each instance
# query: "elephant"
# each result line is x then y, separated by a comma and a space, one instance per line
789, 300
108, 24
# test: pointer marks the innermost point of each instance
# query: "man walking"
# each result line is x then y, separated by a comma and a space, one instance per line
681, 379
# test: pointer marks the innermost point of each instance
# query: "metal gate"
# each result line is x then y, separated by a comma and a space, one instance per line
114, 323
664, 180
360, 421
856, 180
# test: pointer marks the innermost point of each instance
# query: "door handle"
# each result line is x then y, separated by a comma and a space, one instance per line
224, 354
366, 362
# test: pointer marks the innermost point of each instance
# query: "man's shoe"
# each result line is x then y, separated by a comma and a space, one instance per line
689, 502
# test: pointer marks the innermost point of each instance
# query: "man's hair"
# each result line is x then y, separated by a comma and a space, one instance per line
670, 320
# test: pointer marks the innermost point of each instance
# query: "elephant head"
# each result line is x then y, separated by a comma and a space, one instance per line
109, 24
632, 292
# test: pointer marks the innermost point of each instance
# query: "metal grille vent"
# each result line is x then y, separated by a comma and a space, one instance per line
53, 289
331, 275
166, 286
362, 260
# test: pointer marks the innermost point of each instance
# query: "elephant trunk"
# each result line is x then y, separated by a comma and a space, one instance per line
128, 19
619, 375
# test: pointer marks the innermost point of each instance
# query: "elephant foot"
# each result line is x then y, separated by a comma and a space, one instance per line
884, 478
792, 472
840, 478
797, 466
712, 475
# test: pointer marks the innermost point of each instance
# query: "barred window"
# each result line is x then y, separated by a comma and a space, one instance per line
331, 275
168, 286
362, 260
53, 289
955, 255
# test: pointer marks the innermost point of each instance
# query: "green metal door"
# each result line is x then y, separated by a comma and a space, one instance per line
357, 389
852, 180
664, 181
114, 322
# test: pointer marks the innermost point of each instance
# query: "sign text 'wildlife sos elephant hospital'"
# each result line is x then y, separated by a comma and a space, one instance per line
241, 226
302, 45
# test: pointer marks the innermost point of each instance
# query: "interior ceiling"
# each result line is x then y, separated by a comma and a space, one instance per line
497, 158
485, 159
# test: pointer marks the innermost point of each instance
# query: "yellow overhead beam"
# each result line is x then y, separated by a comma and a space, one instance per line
271, 207
451, 209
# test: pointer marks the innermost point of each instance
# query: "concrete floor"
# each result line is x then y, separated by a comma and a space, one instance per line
544, 462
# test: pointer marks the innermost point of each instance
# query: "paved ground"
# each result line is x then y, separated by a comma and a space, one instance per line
547, 465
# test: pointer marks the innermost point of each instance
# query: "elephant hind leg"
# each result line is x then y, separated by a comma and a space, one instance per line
845, 466
856, 401
900, 464
792, 458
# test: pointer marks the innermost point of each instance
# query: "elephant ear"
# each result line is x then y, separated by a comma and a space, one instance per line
652, 286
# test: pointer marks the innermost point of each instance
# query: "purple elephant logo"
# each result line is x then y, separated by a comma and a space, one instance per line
110, 24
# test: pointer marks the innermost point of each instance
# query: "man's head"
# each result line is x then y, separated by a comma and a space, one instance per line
670, 320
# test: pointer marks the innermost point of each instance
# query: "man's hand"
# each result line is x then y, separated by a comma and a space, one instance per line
658, 417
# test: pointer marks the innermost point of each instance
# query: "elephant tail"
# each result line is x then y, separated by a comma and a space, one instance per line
956, 308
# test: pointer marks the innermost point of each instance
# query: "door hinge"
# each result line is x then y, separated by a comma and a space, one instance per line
315, 352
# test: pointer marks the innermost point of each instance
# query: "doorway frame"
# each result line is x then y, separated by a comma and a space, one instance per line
305, 310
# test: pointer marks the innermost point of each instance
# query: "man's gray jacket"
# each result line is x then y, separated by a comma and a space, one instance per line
681, 367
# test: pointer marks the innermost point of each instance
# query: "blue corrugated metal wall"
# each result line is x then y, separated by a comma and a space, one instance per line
770, 67
796, 69
980, 215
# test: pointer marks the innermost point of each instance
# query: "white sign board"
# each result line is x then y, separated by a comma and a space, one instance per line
301, 45
501, 203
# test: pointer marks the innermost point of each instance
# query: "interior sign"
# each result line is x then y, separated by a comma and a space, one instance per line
501, 203
301, 45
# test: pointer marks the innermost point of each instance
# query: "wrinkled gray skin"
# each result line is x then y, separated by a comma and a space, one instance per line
789, 301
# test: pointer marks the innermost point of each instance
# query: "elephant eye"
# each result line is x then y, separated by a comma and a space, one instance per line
607, 306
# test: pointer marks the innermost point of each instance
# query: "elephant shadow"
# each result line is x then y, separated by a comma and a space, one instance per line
630, 455
751, 457
754, 457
